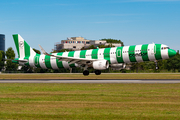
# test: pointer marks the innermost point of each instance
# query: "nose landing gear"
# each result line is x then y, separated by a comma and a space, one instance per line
156, 63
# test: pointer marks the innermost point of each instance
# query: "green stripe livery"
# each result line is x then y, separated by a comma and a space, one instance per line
144, 52
107, 54
119, 52
27, 49
15, 37
157, 51
132, 54
94, 54
59, 63
71, 54
47, 61
36, 60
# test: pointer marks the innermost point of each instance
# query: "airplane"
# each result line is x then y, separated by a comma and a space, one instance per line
98, 59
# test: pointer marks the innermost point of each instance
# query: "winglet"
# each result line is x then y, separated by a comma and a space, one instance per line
43, 51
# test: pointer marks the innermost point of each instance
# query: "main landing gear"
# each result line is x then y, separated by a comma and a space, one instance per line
86, 72
97, 72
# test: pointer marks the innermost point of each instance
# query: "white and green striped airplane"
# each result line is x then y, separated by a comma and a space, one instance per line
99, 59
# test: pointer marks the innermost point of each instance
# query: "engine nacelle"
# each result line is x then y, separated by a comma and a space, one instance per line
120, 66
101, 65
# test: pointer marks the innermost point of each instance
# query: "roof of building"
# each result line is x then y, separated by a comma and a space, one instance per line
76, 39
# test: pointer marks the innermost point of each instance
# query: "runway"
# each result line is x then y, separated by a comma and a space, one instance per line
90, 81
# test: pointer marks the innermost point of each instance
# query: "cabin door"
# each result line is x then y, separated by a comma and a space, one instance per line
36, 59
153, 49
119, 53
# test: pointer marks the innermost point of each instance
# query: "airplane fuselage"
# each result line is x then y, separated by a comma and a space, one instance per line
114, 55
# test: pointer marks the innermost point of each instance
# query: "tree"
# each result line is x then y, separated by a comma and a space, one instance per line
64, 50
174, 63
27, 69
92, 47
37, 51
10, 55
145, 66
2, 57
106, 46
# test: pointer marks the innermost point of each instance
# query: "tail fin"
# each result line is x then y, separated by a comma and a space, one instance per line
23, 49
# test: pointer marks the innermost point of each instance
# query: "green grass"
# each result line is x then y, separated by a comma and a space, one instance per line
92, 76
89, 101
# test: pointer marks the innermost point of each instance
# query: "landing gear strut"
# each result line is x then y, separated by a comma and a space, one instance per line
97, 72
86, 73
156, 63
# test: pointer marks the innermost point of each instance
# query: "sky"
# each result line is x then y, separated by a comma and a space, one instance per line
134, 22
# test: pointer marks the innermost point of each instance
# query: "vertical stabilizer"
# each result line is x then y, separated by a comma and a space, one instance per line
23, 49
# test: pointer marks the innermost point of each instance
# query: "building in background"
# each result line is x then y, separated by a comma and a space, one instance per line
2, 42
76, 43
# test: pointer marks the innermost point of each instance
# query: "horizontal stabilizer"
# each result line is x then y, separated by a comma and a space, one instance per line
22, 61
18, 60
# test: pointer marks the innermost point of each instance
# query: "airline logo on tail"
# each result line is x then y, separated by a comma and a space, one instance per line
21, 44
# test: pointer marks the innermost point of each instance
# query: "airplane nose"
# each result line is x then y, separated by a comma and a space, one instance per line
171, 53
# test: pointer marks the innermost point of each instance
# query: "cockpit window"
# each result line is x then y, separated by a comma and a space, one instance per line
163, 48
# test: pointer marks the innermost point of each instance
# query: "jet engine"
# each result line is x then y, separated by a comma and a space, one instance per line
101, 65
120, 66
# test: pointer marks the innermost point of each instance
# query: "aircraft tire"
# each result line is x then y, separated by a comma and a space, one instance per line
97, 72
86, 73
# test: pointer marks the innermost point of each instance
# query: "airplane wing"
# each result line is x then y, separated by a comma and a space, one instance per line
71, 60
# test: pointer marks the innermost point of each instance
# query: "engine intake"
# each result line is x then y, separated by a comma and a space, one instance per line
101, 65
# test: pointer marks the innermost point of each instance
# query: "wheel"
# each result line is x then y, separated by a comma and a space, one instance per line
86, 73
97, 72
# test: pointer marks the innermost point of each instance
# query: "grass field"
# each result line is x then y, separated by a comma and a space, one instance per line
90, 101
92, 76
